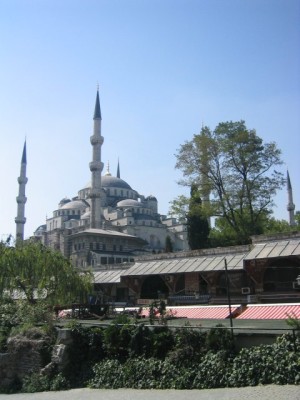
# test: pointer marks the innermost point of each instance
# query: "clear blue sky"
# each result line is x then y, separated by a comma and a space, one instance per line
164, 68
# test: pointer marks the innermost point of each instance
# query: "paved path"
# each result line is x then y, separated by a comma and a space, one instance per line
269, 392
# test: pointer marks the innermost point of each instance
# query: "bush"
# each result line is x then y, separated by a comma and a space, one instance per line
86, 350
42, 383
213, 371
141, 342
163, 342
107, 374
189, 346
265, 364
220, 338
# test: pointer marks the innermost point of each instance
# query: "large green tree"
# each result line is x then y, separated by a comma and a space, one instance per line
236, 175
32, 271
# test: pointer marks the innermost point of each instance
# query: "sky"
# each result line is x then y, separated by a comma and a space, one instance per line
164, 69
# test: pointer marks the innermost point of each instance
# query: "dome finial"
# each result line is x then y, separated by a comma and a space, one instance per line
107, 173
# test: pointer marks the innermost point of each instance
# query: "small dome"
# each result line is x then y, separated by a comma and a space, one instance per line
153, 198
129, 203
74, 205
86, 215
64, 201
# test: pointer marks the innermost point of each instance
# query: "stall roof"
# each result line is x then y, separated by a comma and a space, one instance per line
180, 265
198, 312
282, 248
270, 311
108, 276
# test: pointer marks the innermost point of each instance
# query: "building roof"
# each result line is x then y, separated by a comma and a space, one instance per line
106, 232
282, 248
108, 276
199, 312
270, 311
180, 265
129, 203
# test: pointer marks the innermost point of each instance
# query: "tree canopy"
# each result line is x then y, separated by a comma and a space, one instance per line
32, 271
236, 175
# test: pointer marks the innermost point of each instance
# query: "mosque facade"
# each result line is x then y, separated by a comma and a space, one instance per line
109, 222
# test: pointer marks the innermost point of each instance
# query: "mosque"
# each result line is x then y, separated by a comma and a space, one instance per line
107, 222
119, 232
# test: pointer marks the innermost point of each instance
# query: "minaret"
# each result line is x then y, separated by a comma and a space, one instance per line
118, 170
96, 167
21, 199
291, 205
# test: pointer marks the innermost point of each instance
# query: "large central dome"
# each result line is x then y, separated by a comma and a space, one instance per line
108, 181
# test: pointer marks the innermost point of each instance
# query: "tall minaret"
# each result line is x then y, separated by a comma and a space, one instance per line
96, 167
21, 199
291, 205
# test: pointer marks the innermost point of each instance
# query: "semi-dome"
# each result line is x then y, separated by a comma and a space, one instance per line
151, 198
74, 205
129, 203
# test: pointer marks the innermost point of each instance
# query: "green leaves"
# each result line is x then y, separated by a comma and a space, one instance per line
31, 271
235, 169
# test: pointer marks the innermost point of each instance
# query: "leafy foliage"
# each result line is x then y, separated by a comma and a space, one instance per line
42, 383
32, 271
233, 167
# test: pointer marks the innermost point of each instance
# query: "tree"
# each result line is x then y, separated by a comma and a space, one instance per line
197, 223
34, 271
179, 208
168, 245
236, 172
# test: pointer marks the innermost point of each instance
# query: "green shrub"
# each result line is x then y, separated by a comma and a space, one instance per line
163, 342
189, 346
107, 374
265, 364
141, 342
86, 350
220, 338
42, 383
213, 371
116, 339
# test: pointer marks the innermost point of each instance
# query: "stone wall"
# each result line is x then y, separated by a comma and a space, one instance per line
27, 355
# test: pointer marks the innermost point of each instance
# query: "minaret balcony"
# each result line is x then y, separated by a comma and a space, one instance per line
96, 140
96, 166
20, 220
95, 193
22, 180
21, 199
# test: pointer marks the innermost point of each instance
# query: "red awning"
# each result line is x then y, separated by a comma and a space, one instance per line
263, 311
198, 312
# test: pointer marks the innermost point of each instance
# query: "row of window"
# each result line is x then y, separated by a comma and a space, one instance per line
60, 213
97, 246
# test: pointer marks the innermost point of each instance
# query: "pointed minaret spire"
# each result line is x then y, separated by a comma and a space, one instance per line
96, 167
118, 170
291, 205
97, 112
21, 199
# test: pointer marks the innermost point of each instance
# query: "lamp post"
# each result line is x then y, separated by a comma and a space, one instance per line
228, 296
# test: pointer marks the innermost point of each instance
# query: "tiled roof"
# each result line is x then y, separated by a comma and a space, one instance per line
270, 311
282, 248
198, 312
108, 276
181, 265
